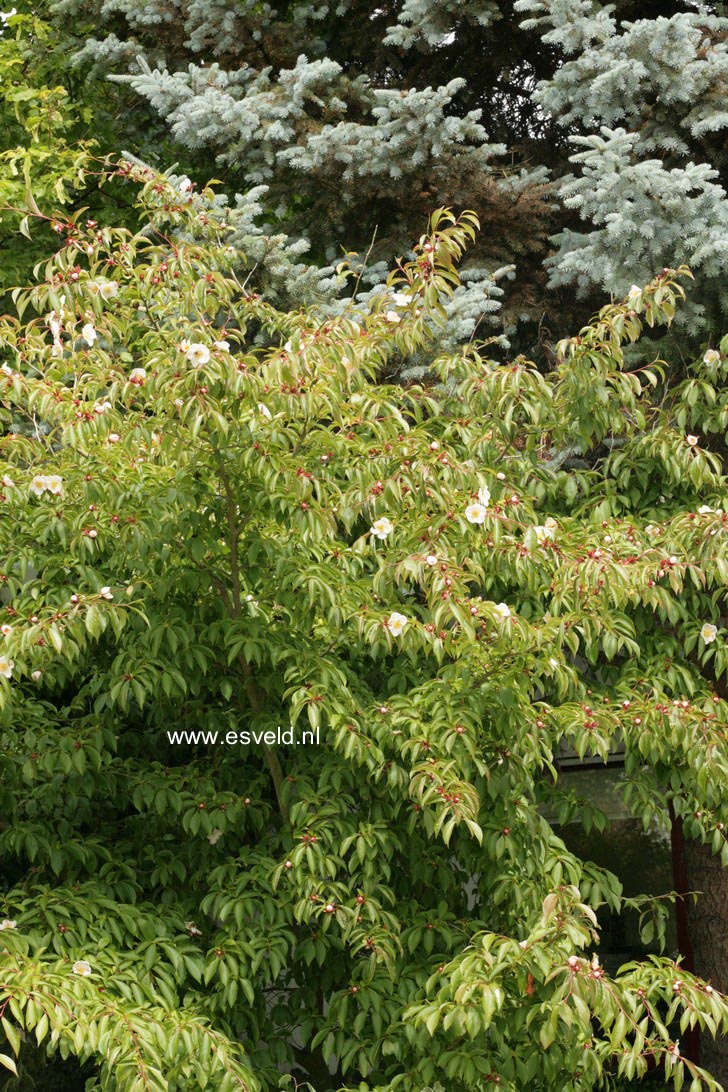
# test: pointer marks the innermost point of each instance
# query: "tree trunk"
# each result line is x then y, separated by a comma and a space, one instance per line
708, 922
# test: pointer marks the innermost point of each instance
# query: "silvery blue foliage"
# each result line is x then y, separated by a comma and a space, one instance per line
409, 129
347, 121
650, 92
250, 116
258, 122
315, 130
278, 259
665, 76
573, 25
432, 22
261, 122
642, 212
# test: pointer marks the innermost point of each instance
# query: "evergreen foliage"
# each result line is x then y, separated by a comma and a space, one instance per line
218, 519
600, 125
651, 180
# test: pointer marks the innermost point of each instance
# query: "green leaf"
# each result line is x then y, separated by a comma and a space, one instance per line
8, 1062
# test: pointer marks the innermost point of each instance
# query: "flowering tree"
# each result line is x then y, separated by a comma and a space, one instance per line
222, 530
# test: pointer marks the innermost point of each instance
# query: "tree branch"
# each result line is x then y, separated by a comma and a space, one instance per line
235, 609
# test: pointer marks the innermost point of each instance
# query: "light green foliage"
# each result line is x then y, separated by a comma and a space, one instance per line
218, 519
40, 126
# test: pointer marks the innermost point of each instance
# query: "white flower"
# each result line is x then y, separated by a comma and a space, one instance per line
6, 369
6, 667
651, 531
6, 923
288, 347
198, 355
634, 293
264, 411
102, 407
105, 592
54, 484
137, 375
692, 441
392, 316
82, 967
381, 528
184, 344
502, 610
6, 630
215, 836
108, 289
400, 299
711, 357
8, 482
484, 496
709, 633
500, 476
223, 346
476, 513
675, 1049
55, 323
431, 559
396, 623
38, 485
88, 333
185, 186
36, 675
114, 437
704, 510
192, 929
545, 531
